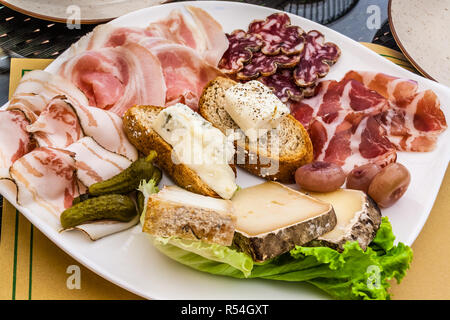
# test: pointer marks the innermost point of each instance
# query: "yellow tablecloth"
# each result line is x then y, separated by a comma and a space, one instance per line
32, 267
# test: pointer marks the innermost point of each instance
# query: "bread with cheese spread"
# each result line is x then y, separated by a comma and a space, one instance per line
293, 144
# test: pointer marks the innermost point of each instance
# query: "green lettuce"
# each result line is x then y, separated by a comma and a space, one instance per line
147, 188
350, 274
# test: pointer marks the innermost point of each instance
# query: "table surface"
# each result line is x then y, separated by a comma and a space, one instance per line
428, 277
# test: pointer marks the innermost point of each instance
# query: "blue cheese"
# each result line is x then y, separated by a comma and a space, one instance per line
254, 108
198, 145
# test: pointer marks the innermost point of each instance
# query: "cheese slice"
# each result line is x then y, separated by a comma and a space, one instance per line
254, 108
358, 218
272, 218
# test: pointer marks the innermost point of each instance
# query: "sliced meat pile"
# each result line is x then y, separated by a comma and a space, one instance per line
54, 145
169, 61
368, 117
280, 55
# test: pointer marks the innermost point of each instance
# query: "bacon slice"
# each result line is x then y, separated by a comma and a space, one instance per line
46, 179
15, 141
117, 78
414, 120
341, 122
57, 126
94, 163
37, 88
185, 73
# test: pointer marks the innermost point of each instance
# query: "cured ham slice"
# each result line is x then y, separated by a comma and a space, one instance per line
414, 119
57, 125
117, 78
15, 141
342, 125
45, 178
185, 73
37, 88
94, 163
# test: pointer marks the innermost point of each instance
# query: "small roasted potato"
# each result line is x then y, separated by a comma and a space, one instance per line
389, 185
320, 176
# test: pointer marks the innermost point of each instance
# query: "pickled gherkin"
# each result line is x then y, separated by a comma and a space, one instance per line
113, 207
129, 179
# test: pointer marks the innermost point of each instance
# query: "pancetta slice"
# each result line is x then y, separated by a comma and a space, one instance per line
414, 119
57, 125
94, 163
341, 122
15, 141
215, 39
117, 78
185, 73
46, 179
37, 88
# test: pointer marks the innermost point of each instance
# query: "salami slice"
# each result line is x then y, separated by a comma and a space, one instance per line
316, 59
283, 85
240, 50
264, 65
278, 34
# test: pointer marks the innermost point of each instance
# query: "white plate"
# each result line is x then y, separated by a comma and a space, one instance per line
422, 31
90, 11
129, 260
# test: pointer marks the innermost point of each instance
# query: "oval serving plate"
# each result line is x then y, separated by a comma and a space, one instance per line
129, 260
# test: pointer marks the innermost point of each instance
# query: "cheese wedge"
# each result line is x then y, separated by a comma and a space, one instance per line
175, 212
358, 218
272, 219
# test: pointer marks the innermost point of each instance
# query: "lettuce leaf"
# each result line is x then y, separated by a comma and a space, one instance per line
147, 188
351, 274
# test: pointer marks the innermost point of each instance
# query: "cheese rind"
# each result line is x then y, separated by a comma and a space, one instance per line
254, 108
175, 212
272, 219
358, 218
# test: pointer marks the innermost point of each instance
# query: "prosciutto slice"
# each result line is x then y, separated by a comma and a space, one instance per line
46, 178
15, 141
37, 88
414, 119
342, 125
94, 163
57, 125
117, 78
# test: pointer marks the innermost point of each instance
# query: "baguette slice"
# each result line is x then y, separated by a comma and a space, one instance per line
175, 212
294, 145
137, 124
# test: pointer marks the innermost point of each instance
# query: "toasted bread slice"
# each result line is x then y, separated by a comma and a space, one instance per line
175, 212
137, 124
293, 146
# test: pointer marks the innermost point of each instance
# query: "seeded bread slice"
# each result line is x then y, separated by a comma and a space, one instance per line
274, 161
137, 124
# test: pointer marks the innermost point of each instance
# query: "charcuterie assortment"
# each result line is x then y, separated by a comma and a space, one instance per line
183, 100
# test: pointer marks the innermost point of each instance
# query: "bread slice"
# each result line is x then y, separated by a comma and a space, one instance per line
294, 145
137, 124
175, 212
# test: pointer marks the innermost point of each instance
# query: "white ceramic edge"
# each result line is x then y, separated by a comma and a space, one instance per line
61, 242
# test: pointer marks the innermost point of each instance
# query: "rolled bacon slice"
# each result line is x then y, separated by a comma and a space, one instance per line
37, 88
15, 141
45, 179
57, 125
94, 163
414, 119
117, 78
